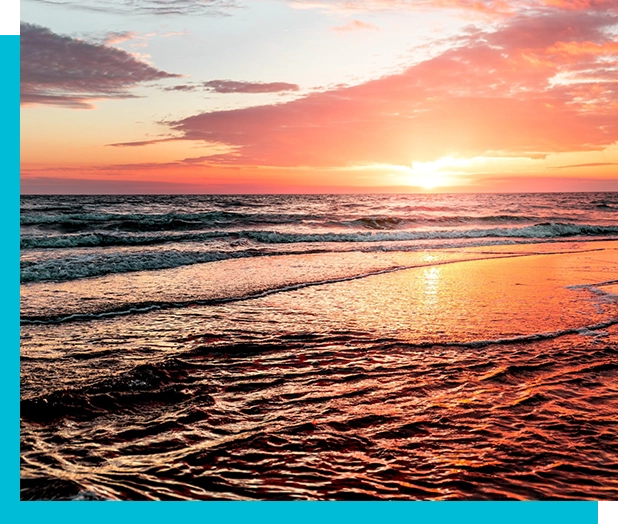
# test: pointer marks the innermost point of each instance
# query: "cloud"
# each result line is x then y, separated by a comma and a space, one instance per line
506, 6
485, 6
592, 164
67, 72
118, 38
182, 87
141, 143
355, 25
489, 7
223, 7
499, 93
151, 7
230, 86
585, 48
581, 4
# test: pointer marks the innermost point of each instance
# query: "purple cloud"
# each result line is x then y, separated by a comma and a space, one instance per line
182, 87
67, 72
231, 86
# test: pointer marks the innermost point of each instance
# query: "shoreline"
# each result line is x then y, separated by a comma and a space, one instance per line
489, 378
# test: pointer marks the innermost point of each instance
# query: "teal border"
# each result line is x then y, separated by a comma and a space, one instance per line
9, 260
316, 512
249, 512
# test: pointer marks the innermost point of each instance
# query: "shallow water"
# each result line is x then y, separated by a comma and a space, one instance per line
469, 373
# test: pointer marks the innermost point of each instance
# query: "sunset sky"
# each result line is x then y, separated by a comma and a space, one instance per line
318, 96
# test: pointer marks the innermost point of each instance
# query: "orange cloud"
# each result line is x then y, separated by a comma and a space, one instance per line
584, 48
581, 4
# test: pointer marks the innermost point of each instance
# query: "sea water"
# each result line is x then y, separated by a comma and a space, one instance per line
319, 347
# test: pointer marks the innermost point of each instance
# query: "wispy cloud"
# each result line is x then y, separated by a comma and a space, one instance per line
64, 71
140, 143
183, 87
355, 25
233, 86
592, 164
152, 7
489, 7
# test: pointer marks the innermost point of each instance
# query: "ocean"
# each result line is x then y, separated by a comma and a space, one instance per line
322, 347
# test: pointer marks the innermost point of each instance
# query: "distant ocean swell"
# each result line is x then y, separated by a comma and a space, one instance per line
544, 230
192, 221
74, 223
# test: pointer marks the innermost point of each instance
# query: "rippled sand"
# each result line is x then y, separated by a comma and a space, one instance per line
480, 373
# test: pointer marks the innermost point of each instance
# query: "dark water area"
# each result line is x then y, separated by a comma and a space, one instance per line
337, 348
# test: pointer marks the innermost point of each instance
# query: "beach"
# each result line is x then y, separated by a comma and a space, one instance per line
484, 370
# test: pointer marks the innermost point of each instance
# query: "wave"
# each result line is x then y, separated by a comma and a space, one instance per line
107, 310
390, 222
76, 267
545, 230
106, 263
147, 306
73, 223
606, 207
112, 239
150, 222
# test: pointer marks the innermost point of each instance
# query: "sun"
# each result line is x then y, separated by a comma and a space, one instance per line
429, 175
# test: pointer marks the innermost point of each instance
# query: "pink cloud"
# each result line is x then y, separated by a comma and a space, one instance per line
373, 5
355, 25
118, 38
492, 93
581, 4
489, 7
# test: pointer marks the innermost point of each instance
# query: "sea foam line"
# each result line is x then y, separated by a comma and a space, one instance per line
146, 307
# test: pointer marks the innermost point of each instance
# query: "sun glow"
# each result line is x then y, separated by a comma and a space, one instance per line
430, 175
